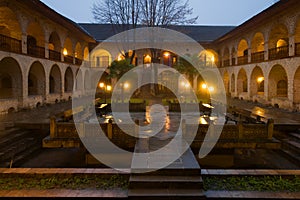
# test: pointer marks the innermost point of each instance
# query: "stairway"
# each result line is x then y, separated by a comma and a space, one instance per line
17, 145
180, 180
290, 146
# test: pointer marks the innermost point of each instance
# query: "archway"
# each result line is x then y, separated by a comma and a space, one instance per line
209, 57
101, 58
297, 86
242, 82
36, 80
11, 84
297, 38
69, 80
54, 47
257, 82
35, 40
55, 84
257, 47
226, 82
226, 57
243, 52
86, 54
278, 82
278, 42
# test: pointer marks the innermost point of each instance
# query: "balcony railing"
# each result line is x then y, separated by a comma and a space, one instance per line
36, 51
233, 61
10, 44
297, 49
278, 53
78, 61
226, 63
54, 55
68, 59
242, 60
258, 56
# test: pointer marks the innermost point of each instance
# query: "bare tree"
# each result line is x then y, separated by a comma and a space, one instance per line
166, 12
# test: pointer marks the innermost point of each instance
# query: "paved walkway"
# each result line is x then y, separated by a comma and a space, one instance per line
280, 116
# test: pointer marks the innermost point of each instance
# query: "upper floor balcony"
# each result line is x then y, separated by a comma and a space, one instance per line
10, 44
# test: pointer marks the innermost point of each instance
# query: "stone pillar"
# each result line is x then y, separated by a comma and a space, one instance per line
47, 50
266, 45
24, 43
249, 55
270, 129
292, 45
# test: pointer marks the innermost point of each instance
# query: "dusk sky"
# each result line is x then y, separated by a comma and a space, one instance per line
210, 12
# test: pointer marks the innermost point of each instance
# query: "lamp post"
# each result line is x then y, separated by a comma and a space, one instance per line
106, 88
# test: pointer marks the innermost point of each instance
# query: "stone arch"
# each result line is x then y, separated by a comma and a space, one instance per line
278, 82
257, 43
232, 83
69, 80
243, 48
11, 81
55, 81
54, 42
226, 81
35, 36
297, 31
86, 54
234, 55
36, 79
9, 23
242, 82
226, 56
209, 57
257, 82
78, 51
68, 47
297, 86
279, 36
101, 58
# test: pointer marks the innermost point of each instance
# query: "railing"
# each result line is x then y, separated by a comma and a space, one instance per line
226, 63
36, 51
242, 60
54, 55
10, 44
297, 49
258, 56
68, 59
233, 61
278, 53
78, 61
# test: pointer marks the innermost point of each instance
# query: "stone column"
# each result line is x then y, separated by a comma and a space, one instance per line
24, 43
292, 45
47, 50
266, 45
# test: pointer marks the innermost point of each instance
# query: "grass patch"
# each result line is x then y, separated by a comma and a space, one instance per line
42, 182
251, 183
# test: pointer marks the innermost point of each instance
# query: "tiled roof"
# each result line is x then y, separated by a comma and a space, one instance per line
102, 32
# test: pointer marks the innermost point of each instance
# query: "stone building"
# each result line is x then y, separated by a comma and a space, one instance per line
41, 53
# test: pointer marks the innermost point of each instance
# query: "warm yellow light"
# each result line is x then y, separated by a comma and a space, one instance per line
147, 59
120, 57
108, 88
101, 85
260, 79
213, 59
204, 86
65, 52
166, 54
211, 89
187, 85
126, 85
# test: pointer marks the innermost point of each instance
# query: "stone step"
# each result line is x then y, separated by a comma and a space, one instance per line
17, 147
26, 154
6, 132
174, 194
291, 156
142, 181
291, 145
295, 136
13, 138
